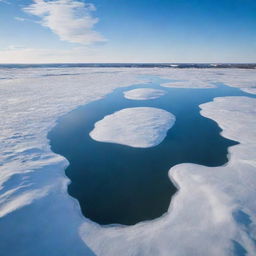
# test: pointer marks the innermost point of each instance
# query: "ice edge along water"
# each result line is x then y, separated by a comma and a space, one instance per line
32, 176
204, 215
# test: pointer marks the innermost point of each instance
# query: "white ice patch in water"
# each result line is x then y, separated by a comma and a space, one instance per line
144, 94
141, 127
192, 84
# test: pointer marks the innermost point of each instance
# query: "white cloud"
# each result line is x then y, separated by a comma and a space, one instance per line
71, 20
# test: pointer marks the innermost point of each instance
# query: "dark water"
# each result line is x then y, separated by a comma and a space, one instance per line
120, 184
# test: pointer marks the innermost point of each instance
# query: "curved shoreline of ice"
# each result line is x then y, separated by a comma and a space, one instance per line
140, 127
216, 197
33, 184
143, 94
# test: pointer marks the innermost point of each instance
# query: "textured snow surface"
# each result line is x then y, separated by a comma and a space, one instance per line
213, 210
143, 94
140, 127
208, 78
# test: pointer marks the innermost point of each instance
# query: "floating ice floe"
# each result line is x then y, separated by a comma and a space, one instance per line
140, 127
144, 94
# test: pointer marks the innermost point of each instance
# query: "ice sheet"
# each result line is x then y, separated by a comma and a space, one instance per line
212, 214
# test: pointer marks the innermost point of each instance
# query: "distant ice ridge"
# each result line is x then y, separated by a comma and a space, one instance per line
194, 83
208, 78
140, 127
212, 214
144, 94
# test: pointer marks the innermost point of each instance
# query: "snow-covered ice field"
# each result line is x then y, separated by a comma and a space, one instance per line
213, 212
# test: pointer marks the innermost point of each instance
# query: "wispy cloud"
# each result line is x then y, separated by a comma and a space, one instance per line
5, 2
71, 20
19, 18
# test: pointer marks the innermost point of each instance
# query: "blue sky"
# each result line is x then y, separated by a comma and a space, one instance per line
36, 31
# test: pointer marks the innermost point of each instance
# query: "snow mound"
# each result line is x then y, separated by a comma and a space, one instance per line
140, 127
